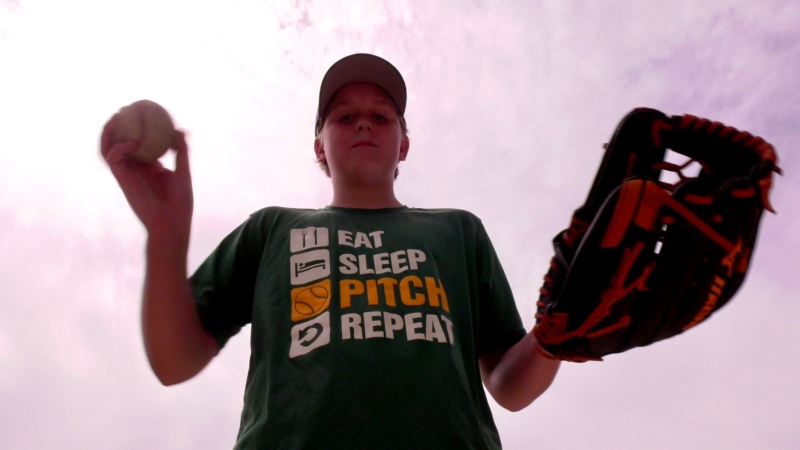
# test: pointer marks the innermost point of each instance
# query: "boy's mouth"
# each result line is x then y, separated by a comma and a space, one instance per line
364, 144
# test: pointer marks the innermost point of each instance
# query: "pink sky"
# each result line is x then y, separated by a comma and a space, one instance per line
509, 105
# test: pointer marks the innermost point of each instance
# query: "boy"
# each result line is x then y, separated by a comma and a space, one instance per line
374, 325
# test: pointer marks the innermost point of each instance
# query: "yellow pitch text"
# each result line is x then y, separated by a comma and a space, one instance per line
410, 291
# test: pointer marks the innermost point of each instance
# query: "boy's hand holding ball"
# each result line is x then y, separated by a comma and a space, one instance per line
132, 142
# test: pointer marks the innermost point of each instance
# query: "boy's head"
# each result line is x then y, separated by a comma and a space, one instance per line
360, 69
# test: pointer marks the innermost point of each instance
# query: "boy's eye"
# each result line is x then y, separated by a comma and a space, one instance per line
380, 118
346, 118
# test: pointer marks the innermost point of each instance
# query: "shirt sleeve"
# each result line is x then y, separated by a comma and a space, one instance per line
224, 284
500, 325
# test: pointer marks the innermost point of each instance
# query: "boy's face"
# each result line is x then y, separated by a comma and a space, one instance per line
361, 140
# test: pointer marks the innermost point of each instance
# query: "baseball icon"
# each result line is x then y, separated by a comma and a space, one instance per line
149, 125
310, 301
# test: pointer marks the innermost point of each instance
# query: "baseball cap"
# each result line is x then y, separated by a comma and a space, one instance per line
361, 68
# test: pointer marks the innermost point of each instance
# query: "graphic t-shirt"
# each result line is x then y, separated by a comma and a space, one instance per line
366, 326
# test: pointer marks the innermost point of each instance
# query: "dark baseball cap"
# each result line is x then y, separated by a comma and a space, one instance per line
361, 68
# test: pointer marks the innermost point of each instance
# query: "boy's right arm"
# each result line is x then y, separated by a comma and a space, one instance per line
176, 344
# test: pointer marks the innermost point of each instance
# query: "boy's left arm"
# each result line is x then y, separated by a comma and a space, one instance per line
518, 376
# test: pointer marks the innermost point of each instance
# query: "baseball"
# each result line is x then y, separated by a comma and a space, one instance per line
148, 124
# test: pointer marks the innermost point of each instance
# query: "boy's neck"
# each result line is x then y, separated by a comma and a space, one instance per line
365, 198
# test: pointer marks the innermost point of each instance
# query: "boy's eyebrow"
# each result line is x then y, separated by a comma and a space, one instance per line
339, 103
336, 104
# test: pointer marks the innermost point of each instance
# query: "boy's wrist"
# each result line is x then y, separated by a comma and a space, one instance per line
171, 242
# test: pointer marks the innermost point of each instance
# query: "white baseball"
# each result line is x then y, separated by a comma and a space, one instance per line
148, 124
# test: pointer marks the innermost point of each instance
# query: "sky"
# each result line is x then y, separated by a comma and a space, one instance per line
509, 105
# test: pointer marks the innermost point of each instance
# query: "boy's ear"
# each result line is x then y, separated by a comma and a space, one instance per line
404, 145
319, 150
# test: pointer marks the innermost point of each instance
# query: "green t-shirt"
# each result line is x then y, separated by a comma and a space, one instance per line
366, 326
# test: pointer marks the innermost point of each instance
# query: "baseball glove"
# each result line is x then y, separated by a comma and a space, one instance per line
644, 260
